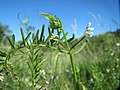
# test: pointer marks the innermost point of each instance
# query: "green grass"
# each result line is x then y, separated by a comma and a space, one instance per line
97, 68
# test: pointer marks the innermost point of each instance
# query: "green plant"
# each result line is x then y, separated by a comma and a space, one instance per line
55, 23
30, 51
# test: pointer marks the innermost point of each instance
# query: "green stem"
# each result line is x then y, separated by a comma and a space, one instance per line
32, 71
73, 66
74, 71
66, 40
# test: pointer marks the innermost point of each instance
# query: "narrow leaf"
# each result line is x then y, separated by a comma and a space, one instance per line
36, 37
64, 36
52, 30
78, 42
32, 38
36, 57
81, 47
1, 60
49, 31
42, 32
13, 39
12, 45
72, 38
61, 44
2, 54
29, 67
26, 39
48, 38
22, 34
37, 73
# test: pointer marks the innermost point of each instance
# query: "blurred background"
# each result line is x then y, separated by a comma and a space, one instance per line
74, 14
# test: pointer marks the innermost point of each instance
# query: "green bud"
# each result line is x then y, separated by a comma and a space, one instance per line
55, 22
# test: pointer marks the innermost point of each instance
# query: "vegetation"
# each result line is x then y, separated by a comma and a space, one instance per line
4, 32
56, 62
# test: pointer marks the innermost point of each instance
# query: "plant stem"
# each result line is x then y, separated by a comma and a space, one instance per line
73, 67
74, 71
32, 62
66, 40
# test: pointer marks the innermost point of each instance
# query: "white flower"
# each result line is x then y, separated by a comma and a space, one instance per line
26, 21
91, 80
117, 59
42, 72
91, 28
52, 77
53, 37
89, 33
88, 29
112, 53
1, 78
89, 24
117, 44
67, 70
108, 70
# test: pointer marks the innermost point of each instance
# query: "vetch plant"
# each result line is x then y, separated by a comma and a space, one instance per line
31, 47
55, 23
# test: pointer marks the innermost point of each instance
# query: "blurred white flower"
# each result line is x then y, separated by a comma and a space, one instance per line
54, 37
91, 79
112, 53
91, 28
89, 24
67, 70
37, 86
52, 77
108, 70
89, 33
26, 21
46, 82
1, 78
88, 30
42, 72
117, 44
117, 59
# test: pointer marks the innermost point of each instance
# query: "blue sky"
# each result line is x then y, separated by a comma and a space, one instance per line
104, 14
